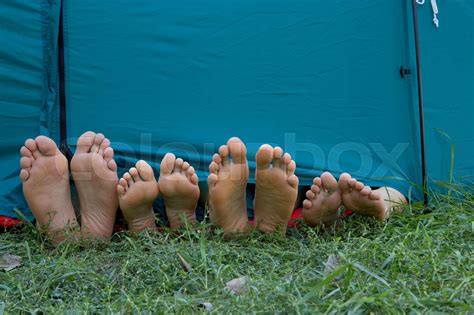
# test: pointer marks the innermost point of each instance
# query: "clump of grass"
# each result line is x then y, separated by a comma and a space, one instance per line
417, 261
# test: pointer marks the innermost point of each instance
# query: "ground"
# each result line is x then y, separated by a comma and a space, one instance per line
419, 260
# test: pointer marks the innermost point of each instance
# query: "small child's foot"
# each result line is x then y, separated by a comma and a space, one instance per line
322, 201
363, 200
137, 190
276, 189
178, 184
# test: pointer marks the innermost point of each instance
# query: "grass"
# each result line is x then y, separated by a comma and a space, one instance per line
418, 261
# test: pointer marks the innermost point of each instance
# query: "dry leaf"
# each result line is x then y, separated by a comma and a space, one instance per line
237, 285
186, 266
9, 262
331, 264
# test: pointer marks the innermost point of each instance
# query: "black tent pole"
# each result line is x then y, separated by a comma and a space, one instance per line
62, 89
420, 103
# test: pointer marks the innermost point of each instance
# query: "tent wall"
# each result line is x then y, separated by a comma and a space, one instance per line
319, 78
28, 35
448, 79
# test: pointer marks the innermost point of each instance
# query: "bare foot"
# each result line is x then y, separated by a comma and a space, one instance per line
178, 184
323, 201
137, 190
363, 200
95, 176
45, 176
276, 189
227, 188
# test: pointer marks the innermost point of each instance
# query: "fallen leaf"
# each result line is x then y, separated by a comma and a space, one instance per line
331, 264
9, 262
186, 266
237, 285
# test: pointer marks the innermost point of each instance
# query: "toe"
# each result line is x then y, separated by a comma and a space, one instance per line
344, 182
24, 174
216, 158
178, 164
290, 166
24, 151
328, 182
317, 181
352, 183
307, 204
104, 145
108, 154
128, 178
184, 168
134, 173
315, 189
310, 195
46, 146
194, 179
112, 165
277, 158
358, 186
365, 191
99, 138
224, 154
120, 191
30, 144
190, 172
167, 164
123, 182
264, 156
85, 141
374, 195
25, 163
213, 167
212, 180
237, 150
293, 181
145, 170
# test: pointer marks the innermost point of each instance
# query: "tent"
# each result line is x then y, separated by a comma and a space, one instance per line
335, 83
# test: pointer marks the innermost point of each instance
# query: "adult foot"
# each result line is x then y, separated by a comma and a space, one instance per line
227, 181
323, 201
178, 184
95, 176
276, 189
363, 200
137, 190
45, 177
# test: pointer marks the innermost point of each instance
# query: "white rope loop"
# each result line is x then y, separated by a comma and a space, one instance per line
434, 7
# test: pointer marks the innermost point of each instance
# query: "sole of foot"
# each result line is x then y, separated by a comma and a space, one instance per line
276, 189
323, 200
45, 177
227, 181
95, 176
363, 200
137, 190
178, 184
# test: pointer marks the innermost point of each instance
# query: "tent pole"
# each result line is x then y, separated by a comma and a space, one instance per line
420, 103
62, 89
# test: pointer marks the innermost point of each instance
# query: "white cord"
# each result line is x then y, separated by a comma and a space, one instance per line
434, 7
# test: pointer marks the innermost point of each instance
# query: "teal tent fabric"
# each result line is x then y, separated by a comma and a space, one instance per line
319, 78
28, 80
